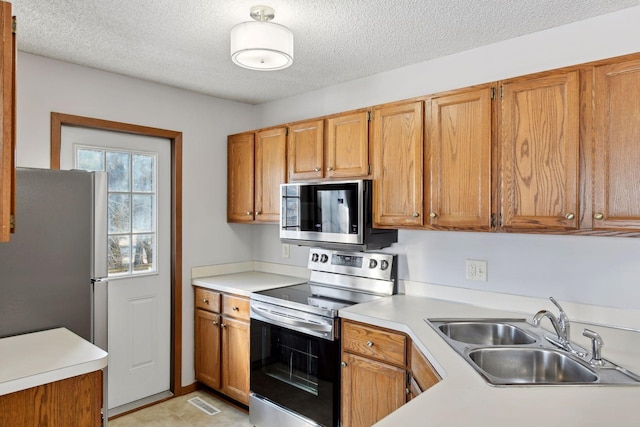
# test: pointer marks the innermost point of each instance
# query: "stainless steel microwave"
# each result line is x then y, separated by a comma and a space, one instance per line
332, 214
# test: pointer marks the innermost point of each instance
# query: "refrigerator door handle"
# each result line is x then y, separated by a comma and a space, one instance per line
99, 267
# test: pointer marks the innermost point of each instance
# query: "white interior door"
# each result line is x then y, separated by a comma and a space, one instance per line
139, 286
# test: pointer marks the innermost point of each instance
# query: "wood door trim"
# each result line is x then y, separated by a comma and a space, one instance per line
57, 121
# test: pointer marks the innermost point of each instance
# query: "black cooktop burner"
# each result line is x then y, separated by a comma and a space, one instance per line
295, 293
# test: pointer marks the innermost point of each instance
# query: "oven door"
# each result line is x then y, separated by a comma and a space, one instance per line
297, 371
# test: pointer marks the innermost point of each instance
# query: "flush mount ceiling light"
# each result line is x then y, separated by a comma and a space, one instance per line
260, 44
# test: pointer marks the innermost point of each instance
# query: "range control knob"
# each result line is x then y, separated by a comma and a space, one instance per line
314, 257
373, 263
384, 264
324, 258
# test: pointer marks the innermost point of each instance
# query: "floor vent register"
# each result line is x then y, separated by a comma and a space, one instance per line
205, 407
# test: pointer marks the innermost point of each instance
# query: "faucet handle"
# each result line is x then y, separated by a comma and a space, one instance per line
557, 304
596, 347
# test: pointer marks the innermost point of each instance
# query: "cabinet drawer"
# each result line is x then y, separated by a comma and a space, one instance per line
207, 300
374, 343
235, 306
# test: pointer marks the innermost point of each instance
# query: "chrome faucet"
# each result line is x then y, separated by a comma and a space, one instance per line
596, 347
560, 324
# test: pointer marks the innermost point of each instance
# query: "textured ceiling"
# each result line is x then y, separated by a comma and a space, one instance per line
185, 43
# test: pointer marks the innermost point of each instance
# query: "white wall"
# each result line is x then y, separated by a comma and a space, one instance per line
46, 85
594, 270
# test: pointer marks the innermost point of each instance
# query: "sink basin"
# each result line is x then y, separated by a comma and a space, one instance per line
530, 366
485, 333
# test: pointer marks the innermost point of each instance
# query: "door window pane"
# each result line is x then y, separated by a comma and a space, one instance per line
142, 213
90, 160
143, 252
143, 173
119, 255
119, 213
118, 168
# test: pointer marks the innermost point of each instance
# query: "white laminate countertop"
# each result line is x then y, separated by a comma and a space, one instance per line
38, 358
463, 398
246, 282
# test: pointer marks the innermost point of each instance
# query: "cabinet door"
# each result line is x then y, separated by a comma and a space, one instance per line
458, 149
270, 172
617, 146
397, 165
235, 359
7, 121
423, 376
207, 348
540, 159
305, 150
240, 164
370, 390
347, 146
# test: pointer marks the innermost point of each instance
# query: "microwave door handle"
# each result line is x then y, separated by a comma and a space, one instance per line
287, 321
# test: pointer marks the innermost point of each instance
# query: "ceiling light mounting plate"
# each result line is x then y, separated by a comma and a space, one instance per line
262, 13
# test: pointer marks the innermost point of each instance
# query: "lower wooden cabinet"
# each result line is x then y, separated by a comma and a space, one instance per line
222, 343
379, 373
75, 401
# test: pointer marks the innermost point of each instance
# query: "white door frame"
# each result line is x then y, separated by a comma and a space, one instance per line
57, 121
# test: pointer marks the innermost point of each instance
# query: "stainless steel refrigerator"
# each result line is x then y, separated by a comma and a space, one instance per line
53, 271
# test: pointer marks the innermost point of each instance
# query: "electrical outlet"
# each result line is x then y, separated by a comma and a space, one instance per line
285, 250
476, 270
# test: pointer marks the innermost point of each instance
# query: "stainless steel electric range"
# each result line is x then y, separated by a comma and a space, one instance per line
295, 339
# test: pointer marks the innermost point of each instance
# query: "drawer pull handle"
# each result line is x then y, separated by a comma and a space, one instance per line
234, 308
204, 300
369, 343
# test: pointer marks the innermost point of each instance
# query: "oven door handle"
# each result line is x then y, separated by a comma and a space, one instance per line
300, 324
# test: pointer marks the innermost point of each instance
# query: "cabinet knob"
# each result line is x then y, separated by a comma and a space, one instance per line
598, 215
222, 325
570, 215
204, 300
215, 322
343, 364
248, 212
317, 169
330, 168
369, 343
234, 308
433, 215
259, 213
416, 214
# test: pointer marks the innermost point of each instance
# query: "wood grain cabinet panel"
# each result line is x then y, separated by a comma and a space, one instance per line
616, 201
75, 401
7, 121
540, 159
347, 145
397, 151
423, 375
235, 359
374, 343
371, 390
270, 172
207, 348
459, 155
240, 183
305, 147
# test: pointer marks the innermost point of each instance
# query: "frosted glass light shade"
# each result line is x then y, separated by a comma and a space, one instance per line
261, 46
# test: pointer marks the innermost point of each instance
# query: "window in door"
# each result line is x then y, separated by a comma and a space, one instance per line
131, 207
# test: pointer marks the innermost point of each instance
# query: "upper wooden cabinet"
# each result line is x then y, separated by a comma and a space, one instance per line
336, 147
347, 145
458, 148
397, 165
305, 150
240, 170
270, 172
7, 121
616, 118
256, 166
539, 137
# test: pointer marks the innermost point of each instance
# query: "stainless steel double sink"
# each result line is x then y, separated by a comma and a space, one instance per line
514, 352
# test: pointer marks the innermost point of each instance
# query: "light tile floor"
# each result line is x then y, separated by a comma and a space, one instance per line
178, 412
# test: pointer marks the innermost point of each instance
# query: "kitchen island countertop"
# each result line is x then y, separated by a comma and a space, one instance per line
463, 398
38, 358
